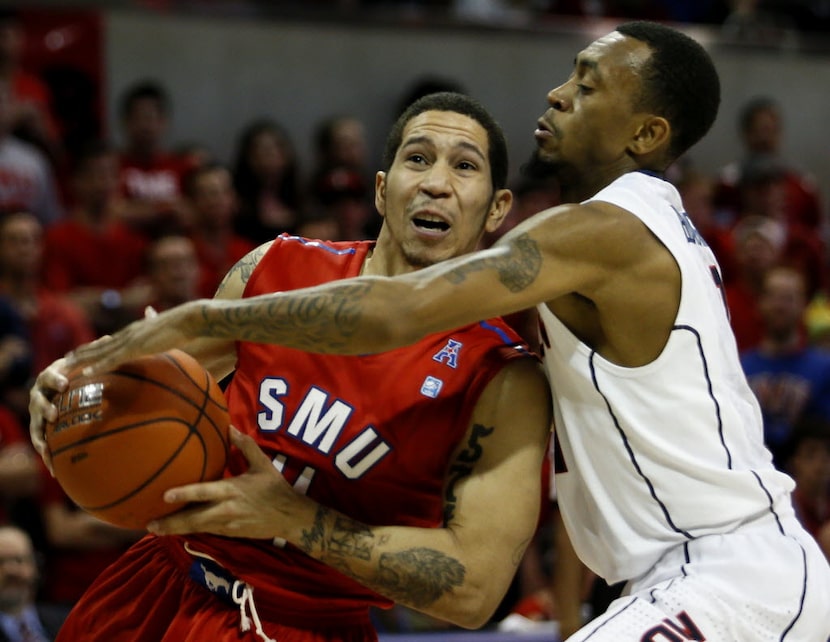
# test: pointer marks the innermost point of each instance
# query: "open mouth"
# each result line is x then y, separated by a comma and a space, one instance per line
431, 225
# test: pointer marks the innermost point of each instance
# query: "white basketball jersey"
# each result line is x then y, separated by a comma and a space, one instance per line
673, 450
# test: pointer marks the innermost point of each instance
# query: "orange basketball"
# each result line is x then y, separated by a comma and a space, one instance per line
122, 438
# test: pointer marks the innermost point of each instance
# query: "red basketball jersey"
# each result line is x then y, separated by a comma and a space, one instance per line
371, 436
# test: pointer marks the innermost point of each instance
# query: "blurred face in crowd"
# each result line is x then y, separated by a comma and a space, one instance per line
21, 244
145, 126
756, 251
763, 132
174, 270
348, 144
96, 181
437, 197
18, 570
268, 155
782, 302
213, 196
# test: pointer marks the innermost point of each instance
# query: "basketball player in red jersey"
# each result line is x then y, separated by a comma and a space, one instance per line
664, 481
411, 476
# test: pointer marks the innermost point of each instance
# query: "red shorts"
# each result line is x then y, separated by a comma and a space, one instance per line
148, 596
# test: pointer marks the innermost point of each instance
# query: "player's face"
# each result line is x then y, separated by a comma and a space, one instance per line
591, 119
437, 197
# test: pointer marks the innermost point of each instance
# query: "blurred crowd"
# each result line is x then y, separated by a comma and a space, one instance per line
91, 233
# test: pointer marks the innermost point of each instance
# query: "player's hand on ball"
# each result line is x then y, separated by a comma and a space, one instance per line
49, 383
258, 504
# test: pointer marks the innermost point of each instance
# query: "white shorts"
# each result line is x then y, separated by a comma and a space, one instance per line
760, 583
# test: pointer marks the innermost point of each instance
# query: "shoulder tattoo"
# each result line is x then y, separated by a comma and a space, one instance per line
244, 267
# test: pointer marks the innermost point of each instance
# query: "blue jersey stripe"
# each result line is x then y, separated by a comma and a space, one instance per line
320, 244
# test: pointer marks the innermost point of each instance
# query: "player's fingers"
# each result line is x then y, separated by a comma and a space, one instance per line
202, 492
53, 379
188, 520
253, 453
150, 312
95, 356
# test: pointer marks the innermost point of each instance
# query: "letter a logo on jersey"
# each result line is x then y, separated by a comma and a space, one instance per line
449, 353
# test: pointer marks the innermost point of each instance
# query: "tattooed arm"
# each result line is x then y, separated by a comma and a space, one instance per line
458, 572
585, 257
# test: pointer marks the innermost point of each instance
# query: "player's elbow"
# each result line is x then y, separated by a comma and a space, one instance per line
474, 608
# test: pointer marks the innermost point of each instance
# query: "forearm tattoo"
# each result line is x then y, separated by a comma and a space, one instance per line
516, 271
419, 576
462, 467
416, 576
321, 320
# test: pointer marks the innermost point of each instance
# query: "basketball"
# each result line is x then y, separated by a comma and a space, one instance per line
124, 437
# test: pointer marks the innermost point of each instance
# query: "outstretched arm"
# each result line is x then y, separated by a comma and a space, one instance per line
457, 573
537, 261
600, 261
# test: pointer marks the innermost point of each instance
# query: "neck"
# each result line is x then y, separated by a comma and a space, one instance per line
777, 345
576, 189
386, 258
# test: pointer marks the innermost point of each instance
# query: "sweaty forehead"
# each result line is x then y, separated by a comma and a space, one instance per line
446, 128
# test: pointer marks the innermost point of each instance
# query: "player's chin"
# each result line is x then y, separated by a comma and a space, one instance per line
423, 255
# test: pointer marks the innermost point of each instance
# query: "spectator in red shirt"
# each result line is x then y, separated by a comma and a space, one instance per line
94, 256
151, 177
697, 190
759, 243
214, 205
761, 129
56, 324
173, 270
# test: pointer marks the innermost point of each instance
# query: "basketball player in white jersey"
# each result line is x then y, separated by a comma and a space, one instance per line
663, 481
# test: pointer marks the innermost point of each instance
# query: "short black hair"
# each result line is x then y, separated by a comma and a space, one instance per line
145, 89
680, 82
459, 104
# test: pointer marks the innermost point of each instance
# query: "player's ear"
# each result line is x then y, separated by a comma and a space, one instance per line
653, 134
499, 208
380, 193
